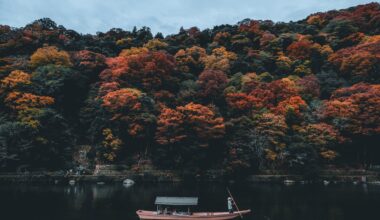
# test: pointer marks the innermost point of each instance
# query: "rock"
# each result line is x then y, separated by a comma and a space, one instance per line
289, 182
128, 182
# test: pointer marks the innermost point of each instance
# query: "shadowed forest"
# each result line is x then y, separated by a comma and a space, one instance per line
257, 95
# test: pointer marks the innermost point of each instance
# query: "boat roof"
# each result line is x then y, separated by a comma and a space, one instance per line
185, 201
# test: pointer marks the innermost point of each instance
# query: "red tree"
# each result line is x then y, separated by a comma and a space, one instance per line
148, 70
357, 107
191, 123
212, 82
361, 60
300, 49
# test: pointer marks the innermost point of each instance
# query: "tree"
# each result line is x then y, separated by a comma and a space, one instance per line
324, 137
239, 101
295, 104
54, 141
190, 59
28, 106
309, 87
284, 64
89, 61
67, 87
354, 110
250, 26
132, 107
203, 121
142, 69
283, 89
329, 81
245, 153
271, 130
111, 146
300, 49
262, 98
222, 38
186, 132
25, 101
170, 128
155, 45
220, 59
49, 55
359, 63
15, 143
122, 101
340, 27
47, 146
51, 79
212, 83
15, 79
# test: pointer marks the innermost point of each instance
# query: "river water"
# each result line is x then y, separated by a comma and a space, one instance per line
116, 202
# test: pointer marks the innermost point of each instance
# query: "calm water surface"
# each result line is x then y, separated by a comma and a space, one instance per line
116, 202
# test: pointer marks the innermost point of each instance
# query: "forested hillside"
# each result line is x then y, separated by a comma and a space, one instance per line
256, 95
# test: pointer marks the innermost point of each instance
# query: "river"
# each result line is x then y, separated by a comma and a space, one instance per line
116, 202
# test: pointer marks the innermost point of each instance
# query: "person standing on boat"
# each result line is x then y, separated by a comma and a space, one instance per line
229, 204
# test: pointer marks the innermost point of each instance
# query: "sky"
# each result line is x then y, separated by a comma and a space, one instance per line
165, 16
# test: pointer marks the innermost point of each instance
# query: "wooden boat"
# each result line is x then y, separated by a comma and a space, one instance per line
165, 214
145, 215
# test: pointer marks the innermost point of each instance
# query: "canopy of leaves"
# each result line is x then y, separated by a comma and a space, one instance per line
239, 98
49, 55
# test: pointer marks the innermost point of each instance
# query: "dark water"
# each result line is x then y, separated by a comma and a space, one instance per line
116, 202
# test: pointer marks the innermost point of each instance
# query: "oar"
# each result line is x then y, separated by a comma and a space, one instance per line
233, 200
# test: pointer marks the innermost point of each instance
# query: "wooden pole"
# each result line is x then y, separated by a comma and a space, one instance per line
233, 200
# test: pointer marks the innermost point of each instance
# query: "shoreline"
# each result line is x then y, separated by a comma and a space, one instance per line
341, 176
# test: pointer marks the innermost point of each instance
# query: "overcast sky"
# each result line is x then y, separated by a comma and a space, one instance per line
166, 16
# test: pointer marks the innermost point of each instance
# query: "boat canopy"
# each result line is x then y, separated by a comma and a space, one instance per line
176, 201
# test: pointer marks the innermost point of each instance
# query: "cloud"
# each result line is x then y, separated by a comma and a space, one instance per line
166, 16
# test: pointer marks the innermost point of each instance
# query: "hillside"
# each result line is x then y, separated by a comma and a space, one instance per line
256, 95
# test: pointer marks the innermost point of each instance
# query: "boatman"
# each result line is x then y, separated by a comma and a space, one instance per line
229, 204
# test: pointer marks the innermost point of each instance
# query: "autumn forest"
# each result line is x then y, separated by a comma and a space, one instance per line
256, 95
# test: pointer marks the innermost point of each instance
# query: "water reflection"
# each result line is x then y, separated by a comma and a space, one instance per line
116, 201
75, 196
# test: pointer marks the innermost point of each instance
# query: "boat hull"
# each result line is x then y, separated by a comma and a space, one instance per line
147, 215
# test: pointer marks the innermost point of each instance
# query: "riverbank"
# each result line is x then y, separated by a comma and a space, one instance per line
343, 176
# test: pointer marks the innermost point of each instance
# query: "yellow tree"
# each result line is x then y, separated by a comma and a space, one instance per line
190, 59
111, 145
28, 106
220, 59
15, 78
49, 55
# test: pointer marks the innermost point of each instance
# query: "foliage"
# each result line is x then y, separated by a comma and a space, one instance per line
220, 59
111, 145
240, 98
358, 62
190, 59
49, 55
354, 110
212, 82
143, 68
15, 79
